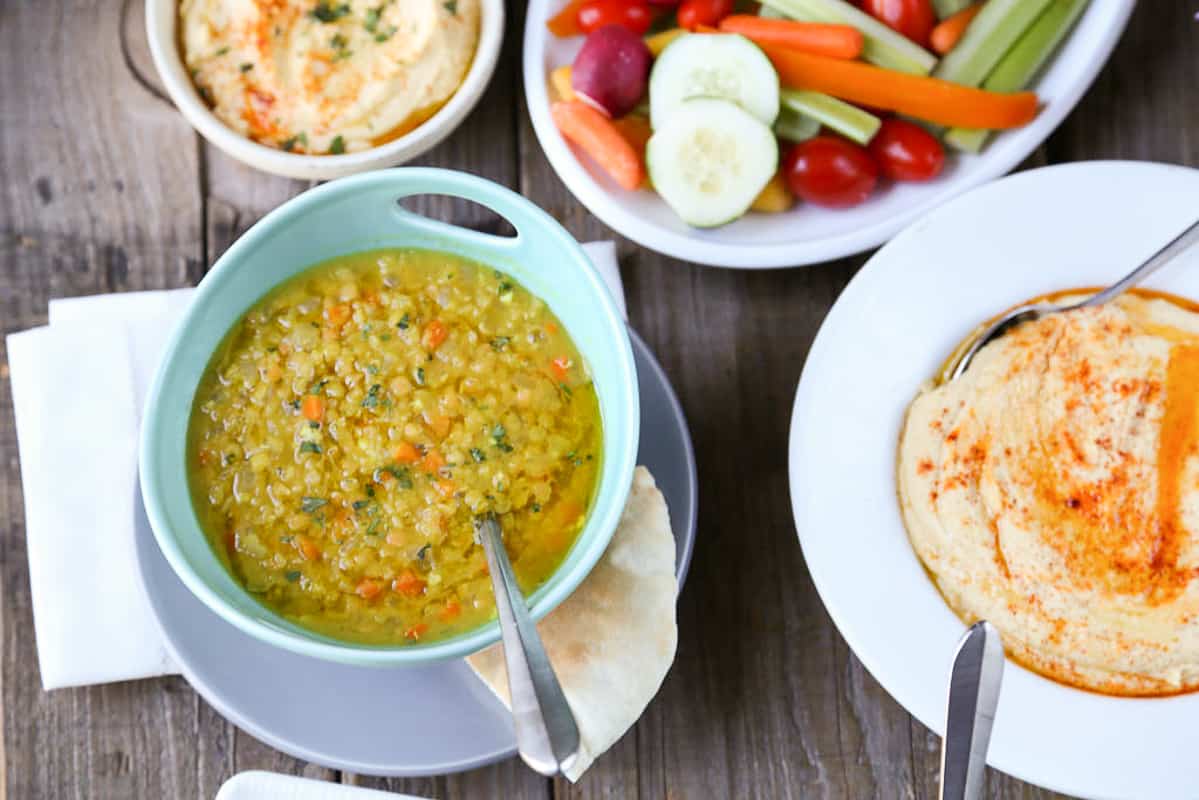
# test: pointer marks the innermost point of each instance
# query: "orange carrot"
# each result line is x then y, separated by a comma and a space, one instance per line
451, 611
560, 366
416, 631
338, 315
368, 589
312, 407
636, 131
930, 99
432, 462
435, 333
408, 584
445, 487
565, 22
308, 548
949, 31
406, 453
596, 136
834, 41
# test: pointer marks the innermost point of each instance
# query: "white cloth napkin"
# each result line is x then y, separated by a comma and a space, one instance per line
78, 387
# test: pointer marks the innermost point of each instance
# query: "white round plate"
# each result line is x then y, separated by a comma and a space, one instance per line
807, 234
1074, 225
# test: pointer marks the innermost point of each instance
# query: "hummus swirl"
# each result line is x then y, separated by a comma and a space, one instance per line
327, 76
1053, 490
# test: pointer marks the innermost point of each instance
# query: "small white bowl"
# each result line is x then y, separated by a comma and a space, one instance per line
161, 28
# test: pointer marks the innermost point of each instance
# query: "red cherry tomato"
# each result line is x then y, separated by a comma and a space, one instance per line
596, 14
913, 18
694, 13
830, 171
906, 152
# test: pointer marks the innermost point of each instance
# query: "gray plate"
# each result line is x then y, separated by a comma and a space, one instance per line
349, 718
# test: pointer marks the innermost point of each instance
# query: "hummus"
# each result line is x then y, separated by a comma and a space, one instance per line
327, 76
1053, 490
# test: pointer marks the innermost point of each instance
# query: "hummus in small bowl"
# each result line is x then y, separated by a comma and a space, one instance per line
1053, 489
318, 89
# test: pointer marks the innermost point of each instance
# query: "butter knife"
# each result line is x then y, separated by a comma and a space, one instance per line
974, 685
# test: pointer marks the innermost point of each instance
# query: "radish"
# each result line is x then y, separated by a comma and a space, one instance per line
611, 70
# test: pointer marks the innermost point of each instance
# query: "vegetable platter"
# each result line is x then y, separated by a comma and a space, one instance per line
798, 131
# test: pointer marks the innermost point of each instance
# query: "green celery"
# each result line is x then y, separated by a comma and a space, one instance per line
884, 46
947, 8
987, 39
767, 12
1022, 63
850, 121
795, 127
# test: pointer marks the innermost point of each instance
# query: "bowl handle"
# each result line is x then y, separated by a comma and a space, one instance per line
504, 202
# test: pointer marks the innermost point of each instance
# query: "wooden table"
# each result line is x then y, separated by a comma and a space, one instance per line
106, 188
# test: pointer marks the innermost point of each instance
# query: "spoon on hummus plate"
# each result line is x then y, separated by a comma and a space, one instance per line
960, 360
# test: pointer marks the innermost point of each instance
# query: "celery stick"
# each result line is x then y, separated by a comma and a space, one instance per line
947, 8
1022, 63
988, 37
850, 121
883, 46
766, 12
795, 127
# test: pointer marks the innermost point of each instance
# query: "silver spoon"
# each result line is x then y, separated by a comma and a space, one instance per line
546, 733
1028, 313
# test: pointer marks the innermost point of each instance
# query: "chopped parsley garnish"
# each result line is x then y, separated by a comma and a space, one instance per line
383, 36
228, 459
505, 287
403, 323
310, 447
300, 138
499, 434
537, 508
401, 474
339, 43
293, 575
371, 21
565, 390
327, 12
246, 66
373, 528
222, 51
361, 504
311, 504
477, 455
420, 376
316, 388
286, 539
500, 342
372, 369
424, 551
499, 431
450, 6
372, 397
337, 146
370, 491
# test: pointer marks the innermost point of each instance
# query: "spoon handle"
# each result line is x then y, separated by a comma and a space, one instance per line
1174, 248
546, 733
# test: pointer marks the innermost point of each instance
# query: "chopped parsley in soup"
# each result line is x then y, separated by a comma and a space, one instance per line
357, 419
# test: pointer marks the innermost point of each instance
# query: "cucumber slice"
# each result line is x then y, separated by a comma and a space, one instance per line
847, 120
713, 65
710, 160
884, 46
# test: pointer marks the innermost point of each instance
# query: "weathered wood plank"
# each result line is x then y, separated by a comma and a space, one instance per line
99, 194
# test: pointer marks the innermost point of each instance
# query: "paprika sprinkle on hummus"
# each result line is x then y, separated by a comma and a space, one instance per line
1053, 489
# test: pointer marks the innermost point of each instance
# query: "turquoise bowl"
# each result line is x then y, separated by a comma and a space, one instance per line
364, 213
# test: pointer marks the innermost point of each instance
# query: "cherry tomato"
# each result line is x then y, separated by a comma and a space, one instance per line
596, 14
830, 171
694, 13
906, 152
913, 18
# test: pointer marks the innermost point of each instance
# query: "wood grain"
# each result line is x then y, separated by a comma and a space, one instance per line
103, 187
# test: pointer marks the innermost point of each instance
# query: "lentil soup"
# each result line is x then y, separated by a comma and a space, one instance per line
358, 418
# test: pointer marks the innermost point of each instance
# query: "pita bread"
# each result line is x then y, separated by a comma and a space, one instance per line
613, 640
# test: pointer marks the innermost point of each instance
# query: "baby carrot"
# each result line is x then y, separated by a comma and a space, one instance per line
834, 41
564, 23
949, 31
931, 99
596, 136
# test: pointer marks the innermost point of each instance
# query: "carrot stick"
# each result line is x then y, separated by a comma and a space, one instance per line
834, 41
564, 23
949, 31
596, 136
312, 407
930, 99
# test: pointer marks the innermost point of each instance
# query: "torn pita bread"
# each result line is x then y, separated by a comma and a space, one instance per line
613, 640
